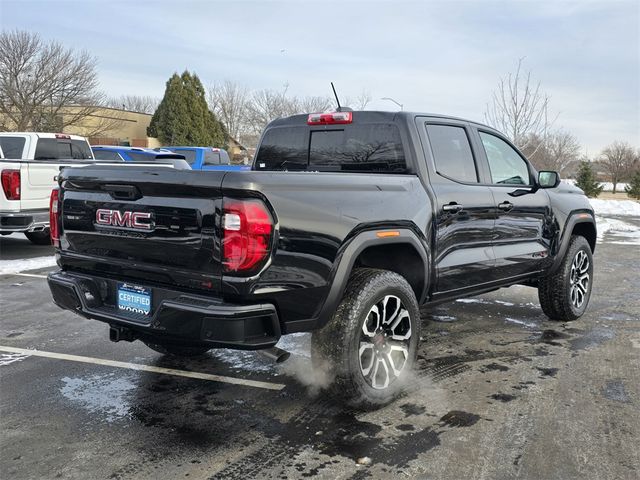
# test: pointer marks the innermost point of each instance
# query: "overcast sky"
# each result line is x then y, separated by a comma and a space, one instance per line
442, 57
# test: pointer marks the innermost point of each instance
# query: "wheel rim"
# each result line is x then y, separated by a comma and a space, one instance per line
579, 279
384, 342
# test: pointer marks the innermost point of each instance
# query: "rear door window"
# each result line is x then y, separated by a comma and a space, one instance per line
452, 153
12, 147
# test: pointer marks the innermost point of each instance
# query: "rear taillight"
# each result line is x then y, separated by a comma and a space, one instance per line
11, 184
247, 229
334, 118
54, 213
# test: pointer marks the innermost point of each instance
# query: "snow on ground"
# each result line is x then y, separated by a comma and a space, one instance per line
15, 266
606, 186
615, 207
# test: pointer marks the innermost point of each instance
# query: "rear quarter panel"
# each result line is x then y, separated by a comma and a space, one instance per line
317, 214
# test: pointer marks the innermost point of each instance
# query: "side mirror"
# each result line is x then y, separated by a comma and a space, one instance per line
548, 179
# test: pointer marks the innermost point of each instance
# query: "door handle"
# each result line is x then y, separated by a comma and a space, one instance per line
506, 206
452, 207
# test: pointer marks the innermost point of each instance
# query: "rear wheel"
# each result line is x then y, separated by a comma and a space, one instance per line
564, 295
177, 350
43, 237
370, 344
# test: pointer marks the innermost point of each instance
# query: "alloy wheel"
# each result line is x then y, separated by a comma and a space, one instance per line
579, 279
384, 342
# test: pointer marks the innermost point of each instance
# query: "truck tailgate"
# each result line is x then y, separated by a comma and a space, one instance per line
143, 224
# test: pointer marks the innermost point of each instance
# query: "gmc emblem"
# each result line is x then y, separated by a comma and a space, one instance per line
127, 219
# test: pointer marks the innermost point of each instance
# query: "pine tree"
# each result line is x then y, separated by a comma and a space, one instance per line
633, 189
586, 180
183, 117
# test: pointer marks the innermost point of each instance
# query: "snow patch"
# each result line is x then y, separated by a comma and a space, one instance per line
617, 231
470, 300
521, 322
15, 266
615, 207
9, 358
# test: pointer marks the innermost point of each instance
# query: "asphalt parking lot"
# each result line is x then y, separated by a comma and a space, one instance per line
500, 392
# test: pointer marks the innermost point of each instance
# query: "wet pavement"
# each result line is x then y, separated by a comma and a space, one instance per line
500, 392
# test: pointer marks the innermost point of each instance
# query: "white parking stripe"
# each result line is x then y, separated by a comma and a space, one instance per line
145, 368
27, 275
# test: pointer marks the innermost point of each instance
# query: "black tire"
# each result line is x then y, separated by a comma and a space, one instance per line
177, 350
43, 237
336, 348
559, 293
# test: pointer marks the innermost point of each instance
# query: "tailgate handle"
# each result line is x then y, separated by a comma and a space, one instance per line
123, 192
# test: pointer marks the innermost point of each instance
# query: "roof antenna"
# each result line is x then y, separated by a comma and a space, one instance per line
340, 109
336, 95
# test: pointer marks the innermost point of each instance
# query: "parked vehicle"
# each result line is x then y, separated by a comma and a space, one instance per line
207, 158
346, 225
29, 174
27, 182
130, 154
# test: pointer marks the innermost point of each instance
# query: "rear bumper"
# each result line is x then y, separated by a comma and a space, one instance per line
27, 221
175, 318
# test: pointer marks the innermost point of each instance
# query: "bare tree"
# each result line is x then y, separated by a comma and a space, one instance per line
44, 86
618, 160
311, 104
558, 151
134, 103
519, 108
362, 100
267, 105
230, 102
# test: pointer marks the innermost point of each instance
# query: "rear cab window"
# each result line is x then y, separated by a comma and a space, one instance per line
61, 149
356, 147
211, 157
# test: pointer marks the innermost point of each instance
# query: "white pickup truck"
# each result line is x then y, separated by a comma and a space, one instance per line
31, 163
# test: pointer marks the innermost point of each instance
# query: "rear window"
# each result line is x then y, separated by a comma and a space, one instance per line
12, 147
189, 155
59, 149
373, 148
106, 155
211, 158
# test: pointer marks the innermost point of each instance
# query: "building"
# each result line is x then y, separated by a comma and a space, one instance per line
114, 126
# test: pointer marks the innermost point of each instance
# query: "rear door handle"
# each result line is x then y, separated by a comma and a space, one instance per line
506, 206
452, 207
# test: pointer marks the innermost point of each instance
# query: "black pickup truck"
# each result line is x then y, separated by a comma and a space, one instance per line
347, 223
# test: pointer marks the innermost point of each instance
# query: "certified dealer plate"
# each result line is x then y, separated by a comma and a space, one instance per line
134, 299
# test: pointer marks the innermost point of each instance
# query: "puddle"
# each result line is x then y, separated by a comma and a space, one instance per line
102, 395
614, 390
457, 418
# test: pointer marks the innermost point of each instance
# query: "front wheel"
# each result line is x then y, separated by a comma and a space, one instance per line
564, 295
43, 237
370, 344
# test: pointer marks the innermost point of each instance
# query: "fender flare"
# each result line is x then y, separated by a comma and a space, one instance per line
350, 252
563, 245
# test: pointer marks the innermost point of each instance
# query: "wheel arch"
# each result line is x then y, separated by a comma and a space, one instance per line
578, 223
404, 253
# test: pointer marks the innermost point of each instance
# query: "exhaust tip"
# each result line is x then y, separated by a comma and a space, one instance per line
275, 354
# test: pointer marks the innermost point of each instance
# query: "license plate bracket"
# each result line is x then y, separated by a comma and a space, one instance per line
134, 299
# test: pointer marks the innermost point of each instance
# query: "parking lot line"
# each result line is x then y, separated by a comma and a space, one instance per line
28, 275
144, 368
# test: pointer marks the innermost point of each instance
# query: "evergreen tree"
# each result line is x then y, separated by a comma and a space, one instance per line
633, 189
183, 117
586, 180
